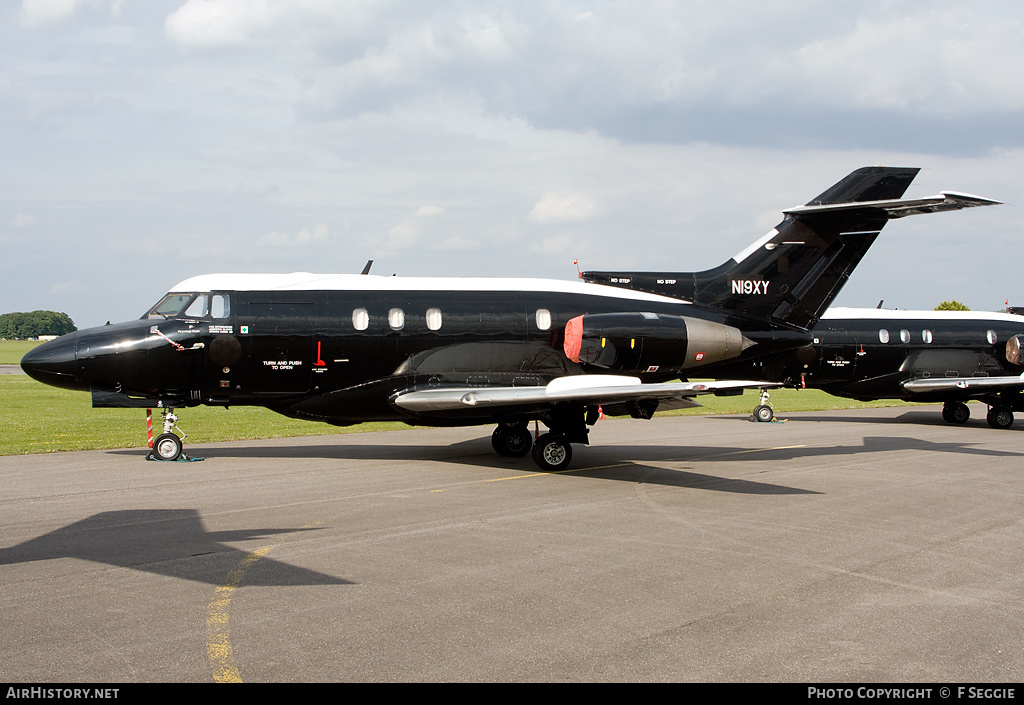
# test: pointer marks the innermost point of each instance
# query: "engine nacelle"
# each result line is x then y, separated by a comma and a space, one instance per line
650, 341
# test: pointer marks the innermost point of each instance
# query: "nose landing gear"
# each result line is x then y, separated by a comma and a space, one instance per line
168, 445
763, 412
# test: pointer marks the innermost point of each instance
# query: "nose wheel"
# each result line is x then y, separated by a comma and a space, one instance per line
168, 445
763, 412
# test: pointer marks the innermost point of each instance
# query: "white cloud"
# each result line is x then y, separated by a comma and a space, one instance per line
21, 220
402, 236
306, 237
562, 207
429, 211
458, 244
219, 22
555, 245
40, 12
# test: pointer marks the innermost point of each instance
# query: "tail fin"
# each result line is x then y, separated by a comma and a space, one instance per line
793, 273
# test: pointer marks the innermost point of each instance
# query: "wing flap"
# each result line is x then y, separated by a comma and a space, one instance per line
591, 389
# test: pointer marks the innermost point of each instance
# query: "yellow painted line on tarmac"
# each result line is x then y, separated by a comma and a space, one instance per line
218, 630
218, 627
759, 450
555, 472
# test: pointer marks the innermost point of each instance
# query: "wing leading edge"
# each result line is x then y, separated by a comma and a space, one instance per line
963, 384
586, 389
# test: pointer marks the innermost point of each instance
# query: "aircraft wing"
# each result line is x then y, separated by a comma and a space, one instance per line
900, 207
590, 389
963, 384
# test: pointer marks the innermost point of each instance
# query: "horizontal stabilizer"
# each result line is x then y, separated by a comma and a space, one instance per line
899, 207
590, 389
794, 273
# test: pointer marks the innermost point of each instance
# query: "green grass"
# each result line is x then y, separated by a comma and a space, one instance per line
11, 351
35, 418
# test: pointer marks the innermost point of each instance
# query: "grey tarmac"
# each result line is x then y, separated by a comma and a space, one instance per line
874, 545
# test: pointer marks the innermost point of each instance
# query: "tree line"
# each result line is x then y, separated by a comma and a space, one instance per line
22, 326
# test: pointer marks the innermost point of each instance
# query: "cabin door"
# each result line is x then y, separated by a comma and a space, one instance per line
281, 353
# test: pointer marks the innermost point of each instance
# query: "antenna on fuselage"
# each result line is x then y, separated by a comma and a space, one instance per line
880, 303
366, 269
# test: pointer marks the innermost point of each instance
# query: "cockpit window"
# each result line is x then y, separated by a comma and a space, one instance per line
197, 309
170, 305
194, 306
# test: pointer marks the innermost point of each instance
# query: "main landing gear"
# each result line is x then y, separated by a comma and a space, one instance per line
999, 417
512, 440
551, 451
957, 412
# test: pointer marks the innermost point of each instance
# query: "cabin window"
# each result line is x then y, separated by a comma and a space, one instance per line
202, 306
396, 319
926, 336
543, 318
434, 318
360, 319
883, 335
904, 336
220, 306
991, 337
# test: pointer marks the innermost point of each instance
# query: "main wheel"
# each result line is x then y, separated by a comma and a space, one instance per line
955, 412
512, 441
763, 412
999, 417
552, 452
167, 446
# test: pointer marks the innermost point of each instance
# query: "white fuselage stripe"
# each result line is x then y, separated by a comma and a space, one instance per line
885, 314
361, 282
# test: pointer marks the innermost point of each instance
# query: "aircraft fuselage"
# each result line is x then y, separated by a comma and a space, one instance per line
337, 349
925, 356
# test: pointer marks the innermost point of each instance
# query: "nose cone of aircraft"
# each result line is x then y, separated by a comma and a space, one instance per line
54, 362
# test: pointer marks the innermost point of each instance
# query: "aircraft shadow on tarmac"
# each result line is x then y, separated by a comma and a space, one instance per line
623, 463
635, 470
922, 416
171, 542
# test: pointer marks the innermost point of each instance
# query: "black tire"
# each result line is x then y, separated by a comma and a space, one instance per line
956, 412
999, 417
167, 446
512, 441
552, 452
763, 413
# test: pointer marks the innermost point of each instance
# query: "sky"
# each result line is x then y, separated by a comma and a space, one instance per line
143, 142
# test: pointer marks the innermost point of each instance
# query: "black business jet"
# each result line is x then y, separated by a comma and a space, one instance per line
344, 349
950, 357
